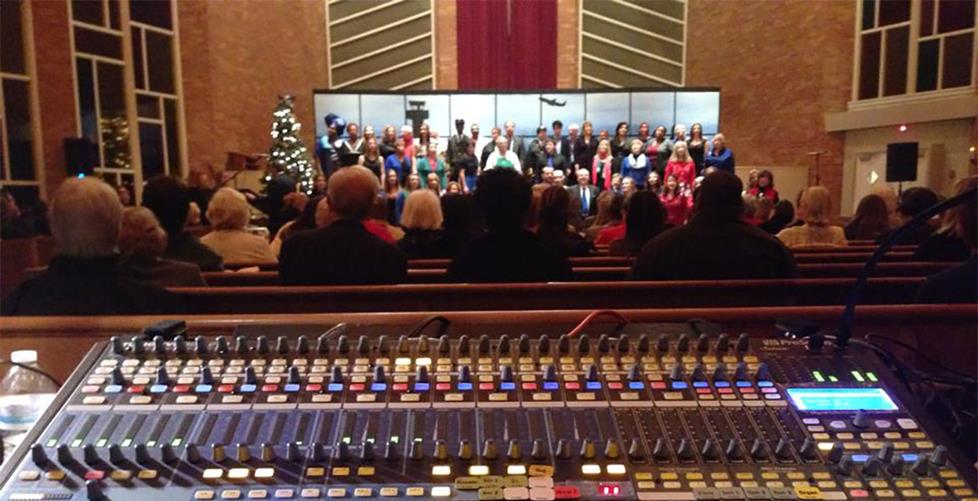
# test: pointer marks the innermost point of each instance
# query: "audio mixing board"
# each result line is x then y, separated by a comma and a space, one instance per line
630, 414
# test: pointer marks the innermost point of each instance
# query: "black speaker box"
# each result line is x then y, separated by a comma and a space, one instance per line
901, 162
81, 155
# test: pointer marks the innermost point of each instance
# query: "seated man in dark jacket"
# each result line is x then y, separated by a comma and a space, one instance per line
960, 283
169, 199
507, 253
716, 243
344, 252
85, 278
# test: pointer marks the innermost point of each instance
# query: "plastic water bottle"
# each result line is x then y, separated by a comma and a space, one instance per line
24, 396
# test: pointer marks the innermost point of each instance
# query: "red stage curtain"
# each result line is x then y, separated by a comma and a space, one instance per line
507, 44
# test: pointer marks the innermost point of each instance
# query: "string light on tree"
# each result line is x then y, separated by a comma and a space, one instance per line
288, 152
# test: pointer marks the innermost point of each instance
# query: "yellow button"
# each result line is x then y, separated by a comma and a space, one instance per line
770, 475
204, 494
148, 474
929, 483
363, 492
492, 481
365, 471
948, 474
744, 475
478, 470
441, 470
336, 492
231, 494
878, 484
516, 469
669, 475
956, 482
964, 492
937, 493
694, 476
341, 471
885, 493
309, 492
516, 481
719, 475
414, 492
643, 475
796, 475
820, 475
541, 470
774, 484
917, 435
388, 492
808, 493
120, 475
911, 493
58, 475
672, 485
590, 469
903, 484
257, 494
467, 483
315, 471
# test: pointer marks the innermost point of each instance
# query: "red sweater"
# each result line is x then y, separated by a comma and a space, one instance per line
610, 234
601, 172
685, 172
677, 206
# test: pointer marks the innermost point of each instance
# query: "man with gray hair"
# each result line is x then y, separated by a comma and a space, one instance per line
84, 277
344, 252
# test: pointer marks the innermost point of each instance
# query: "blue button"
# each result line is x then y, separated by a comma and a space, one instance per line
247, 388
679, 385
636, 385
378, 387
291, 387
507, 386
464, 386
334, 387
699, 384
910, 458
743, 384
550, 385
765, 384
593, 385
721, 384
860, 458
157, 388
422, 386
113, 388
203, 388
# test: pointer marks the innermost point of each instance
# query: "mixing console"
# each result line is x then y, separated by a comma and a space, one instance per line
505, 417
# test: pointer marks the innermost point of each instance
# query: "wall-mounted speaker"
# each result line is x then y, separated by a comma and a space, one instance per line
901, 162
81, 155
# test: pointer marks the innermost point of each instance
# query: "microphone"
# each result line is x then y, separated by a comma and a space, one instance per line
848, 315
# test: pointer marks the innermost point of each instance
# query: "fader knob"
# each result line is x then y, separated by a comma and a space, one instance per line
835, 453
366, 450
683, 345
662, 344
720, 372
723, 343
206, 376
588, 450
711, 451
465, 451
939, 456
38, 455
137, 345
220, 345
514, 450
783, 449
421, 374
402, 345
464, 374
860, 420
379, 375
117, 377
416, 451
484, 344
281, 345
243, 452
895, 467
550, 373
808, 450
563, 343
703, 343
543, 344
423, 344
322, 344
292, 452
592, 372
250, 377
115, 454
168, 454
217, 453
506, 374
604, 343
142, 454
740, 373
885, 453
317, 452
441, 450
193, 453
93, 490
383, 344
733, 450
336, 374
873, 467
341, 452
489, 450
118, 347
922, 465
743, 342
463, 344
64, 454
180, 345
539, 450
635, 451
676, 374
845, 465
444, 346
295, 378
563, 449
634, 373
763, 373
643, 343
90, 454
267, 452
583, 344
159, 346
699, 373
343, 344
611, 449
523, 344
241, 345
363, 345
660, 451
302, 345
261, 345
624, 344
684, 451
390, 450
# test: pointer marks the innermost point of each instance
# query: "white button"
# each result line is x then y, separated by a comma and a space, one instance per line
616, 469
810, 420
478, 470
441, 491
541, 483
516, 469
907, 423
591, 469
442, 470
882, 423
838, 425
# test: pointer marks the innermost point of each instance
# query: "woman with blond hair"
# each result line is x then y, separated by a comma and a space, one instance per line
815, 231
601, 166
681, 166
421, 221
142, 242
229, 213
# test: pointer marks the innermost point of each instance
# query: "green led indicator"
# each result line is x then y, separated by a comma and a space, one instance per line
858, 376
395, 439
176, 442
418, 440
126, 443
101, 442
818, 376
871, 377
347, 440
833, 379
299, 442
52, 443
371, 440
76, 443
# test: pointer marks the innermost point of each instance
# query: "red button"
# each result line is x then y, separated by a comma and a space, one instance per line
399, 386
529, 386
658, 385
136, 388
859, 493
702, 391
566, 492
485, 386
225, 388
356, 387
747, 390
181, 388
614, 386
94, 475
269, 387
724, 391
572, 386
443, 386
314, 387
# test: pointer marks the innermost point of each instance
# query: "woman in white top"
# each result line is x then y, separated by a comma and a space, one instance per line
813, 210
228, 213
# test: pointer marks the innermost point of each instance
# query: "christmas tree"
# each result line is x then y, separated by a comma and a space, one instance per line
115, 143
288, 152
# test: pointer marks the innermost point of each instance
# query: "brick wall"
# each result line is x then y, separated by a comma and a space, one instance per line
568, 38
446, 44
55, 86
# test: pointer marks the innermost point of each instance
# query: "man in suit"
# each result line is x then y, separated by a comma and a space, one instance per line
561, 143
516, 144
536, 153
456, 143
583, 194
489, 147
344, 252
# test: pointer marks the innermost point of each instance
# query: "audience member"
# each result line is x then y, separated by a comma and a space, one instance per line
421, 222
141, 244
554, 221
615, 228
784, 213
503, 157
376, 223
609, 213
948, 243
458, 225
343, 252
507, 253
15, 224
432, 164
913, 201
681, 166
752, 178
636, 165
169, 199
716, 243
229, 214
628, 187
697, 147
319, 185
889, 196
763, 211
659, 149
958, 284
453, 188
719, 155
126, 197
305, 221
202, 180
616, 183
84, 277
871, 220
814, 210
644, 219
432, 183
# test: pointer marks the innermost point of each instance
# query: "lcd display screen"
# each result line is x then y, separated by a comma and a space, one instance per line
841, 399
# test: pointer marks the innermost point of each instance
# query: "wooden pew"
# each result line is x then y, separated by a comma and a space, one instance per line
431, 297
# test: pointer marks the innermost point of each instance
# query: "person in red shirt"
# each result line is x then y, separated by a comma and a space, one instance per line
681, 166
765, 187
676, 201
601, 169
